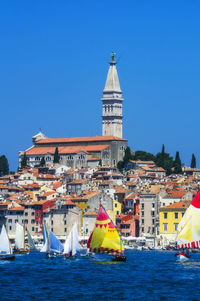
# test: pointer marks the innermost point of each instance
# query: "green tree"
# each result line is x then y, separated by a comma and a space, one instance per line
120, 165
4, 167
164, 160
127, 155
42, 162
100, 162
193, 161
56, 158
177, 164
144, 156
24, 161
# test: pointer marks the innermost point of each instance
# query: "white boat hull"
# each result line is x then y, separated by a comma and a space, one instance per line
182, 257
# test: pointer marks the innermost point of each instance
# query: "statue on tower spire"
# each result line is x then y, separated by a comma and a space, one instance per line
113, 54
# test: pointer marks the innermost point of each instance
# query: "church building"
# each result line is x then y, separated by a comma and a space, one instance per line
78, 152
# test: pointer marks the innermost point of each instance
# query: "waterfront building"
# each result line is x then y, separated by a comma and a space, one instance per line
169, 218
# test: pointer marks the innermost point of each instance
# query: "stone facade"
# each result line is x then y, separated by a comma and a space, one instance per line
112, 104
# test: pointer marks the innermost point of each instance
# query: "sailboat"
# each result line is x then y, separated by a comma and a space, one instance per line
71, 246
20, 240
188, 234
5, 247
31, 243
52, 246
105, 238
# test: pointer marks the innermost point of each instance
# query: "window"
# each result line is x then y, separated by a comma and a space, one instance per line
16, 221
152, 213
153, 205
142, 206
175, 226
65, 229
153, 230
176, 215
142, 221
142, 213
115, 205
153, 221
165, 226
10, 227
26, 221
117, 212
36, 229
32, 221
142, 229
165, 215
86, 231
33, 228
26, 213
182, 214
65, 223
32, 213
52, 229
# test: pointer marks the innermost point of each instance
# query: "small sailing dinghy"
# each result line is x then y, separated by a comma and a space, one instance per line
71, 246
52, 245
31, 243
6, 252
188, 234
105, 238
20, 247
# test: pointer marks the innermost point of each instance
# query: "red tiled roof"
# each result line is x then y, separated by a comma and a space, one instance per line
65, 149
178, 205
79, 139
19, 208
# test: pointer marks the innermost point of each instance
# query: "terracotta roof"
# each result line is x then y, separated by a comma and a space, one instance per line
94, 159
20, 208
178, 205
57, 185
79, 139
65, 149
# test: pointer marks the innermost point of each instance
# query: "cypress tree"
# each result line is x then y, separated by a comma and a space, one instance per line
24, 161
177, 164
100, 162
42, 162
4, 167
193, 161
56, 158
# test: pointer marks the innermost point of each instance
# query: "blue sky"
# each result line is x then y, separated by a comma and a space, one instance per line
54, 62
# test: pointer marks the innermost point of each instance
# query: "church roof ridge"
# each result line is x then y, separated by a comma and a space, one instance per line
79, 139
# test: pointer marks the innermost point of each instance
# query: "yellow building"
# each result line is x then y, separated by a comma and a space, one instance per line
169, 218
117, 207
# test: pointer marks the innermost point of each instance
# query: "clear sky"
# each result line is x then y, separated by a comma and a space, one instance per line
54, 62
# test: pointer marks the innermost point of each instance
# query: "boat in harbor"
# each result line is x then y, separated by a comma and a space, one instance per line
188, 234
6, 252
51, 244
105, 239
31, 244
71, 246
20, 247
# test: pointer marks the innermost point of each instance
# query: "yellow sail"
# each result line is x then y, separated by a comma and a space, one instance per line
189, 227
105, 238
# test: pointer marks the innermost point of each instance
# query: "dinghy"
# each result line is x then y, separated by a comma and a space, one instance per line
105, 238
52, 246
188, 234
71, 246
20, 247
6, 252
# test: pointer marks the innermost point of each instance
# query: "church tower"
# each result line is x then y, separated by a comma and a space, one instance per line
112, 103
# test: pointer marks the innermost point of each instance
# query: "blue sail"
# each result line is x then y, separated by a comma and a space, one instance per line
55, 244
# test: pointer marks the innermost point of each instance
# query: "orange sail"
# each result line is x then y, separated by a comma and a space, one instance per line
105, 238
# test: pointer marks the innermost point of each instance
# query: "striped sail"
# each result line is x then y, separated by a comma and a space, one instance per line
189, 227
105, 238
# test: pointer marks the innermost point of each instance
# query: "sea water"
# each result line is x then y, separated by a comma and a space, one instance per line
146, 275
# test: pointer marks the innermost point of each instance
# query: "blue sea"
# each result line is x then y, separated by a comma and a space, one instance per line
147, 275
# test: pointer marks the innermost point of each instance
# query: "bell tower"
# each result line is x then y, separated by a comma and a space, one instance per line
112, 103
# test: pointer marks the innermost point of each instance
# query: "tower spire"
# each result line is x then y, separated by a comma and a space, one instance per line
112, 102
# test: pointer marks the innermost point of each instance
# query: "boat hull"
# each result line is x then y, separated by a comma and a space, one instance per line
8, 257
121, 258
24, 251
182, 257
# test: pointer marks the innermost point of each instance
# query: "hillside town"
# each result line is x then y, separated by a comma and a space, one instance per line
144, 203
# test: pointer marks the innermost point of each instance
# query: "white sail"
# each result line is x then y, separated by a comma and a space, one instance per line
75, 243
68, 244
19, 237
4, 242
45, 247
